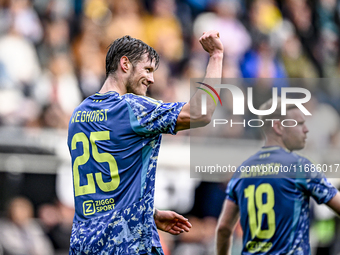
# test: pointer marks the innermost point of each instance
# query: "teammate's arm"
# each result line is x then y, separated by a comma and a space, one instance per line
225, 227
191, 112
171, 222
323, 192
334, 203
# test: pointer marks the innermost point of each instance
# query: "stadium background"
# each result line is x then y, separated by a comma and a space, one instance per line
52, 56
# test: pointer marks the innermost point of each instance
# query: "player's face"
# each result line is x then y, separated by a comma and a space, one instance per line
141, 77
294, 138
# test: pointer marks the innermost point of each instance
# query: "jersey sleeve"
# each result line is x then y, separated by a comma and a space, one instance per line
149, 116
318, 186
320, 189
231, 194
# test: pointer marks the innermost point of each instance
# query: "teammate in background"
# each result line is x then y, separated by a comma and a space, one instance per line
274, 206
114, 138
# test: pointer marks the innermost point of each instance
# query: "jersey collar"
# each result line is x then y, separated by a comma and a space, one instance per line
273, 148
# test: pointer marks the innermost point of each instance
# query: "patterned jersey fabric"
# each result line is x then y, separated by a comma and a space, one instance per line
272, 189
114, 143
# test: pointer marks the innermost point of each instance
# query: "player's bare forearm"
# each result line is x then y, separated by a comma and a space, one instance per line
214, 68
191, 114
224, 233
334, 204
214, 71
223, 242
225, 227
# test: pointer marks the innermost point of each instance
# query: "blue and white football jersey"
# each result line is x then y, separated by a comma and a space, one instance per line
272, 189
114, 143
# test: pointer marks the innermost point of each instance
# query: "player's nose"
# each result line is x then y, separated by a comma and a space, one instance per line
150, 78
305, 129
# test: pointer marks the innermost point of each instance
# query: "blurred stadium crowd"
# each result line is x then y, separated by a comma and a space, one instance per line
52, 56
52, 52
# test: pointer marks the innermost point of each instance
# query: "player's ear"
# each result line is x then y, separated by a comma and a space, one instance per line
125, 64
277, 128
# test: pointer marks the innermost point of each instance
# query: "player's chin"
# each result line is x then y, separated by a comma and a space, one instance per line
144, 91
300, 146
141, 92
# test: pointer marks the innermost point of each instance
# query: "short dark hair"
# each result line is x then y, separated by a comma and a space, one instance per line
130, 47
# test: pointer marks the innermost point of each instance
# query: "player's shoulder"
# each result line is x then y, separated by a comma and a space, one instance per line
262, 154
109, 95
137, 99
93, 100
283, 154
301, 159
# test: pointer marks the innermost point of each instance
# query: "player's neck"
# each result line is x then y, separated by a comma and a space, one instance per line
113, 84
274, 141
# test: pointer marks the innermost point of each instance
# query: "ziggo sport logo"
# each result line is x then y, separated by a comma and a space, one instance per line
238, 104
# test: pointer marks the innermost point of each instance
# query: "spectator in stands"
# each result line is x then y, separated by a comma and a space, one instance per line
57, 221
163, 31
20, 233
25, 20
58, 91
235, 38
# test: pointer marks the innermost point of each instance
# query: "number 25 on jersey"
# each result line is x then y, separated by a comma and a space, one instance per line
90, 187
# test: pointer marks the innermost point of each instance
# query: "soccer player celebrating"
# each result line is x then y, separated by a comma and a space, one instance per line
114, 138
270, 193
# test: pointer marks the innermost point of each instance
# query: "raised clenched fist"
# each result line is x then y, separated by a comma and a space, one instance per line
211, 42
